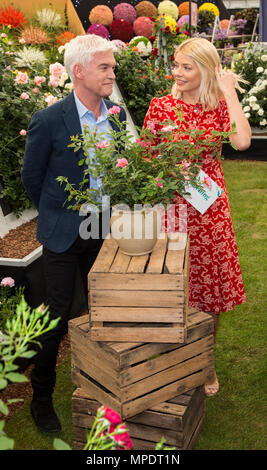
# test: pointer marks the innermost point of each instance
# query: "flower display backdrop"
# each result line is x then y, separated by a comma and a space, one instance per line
32, 73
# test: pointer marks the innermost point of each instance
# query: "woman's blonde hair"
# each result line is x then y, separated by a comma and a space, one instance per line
206, 57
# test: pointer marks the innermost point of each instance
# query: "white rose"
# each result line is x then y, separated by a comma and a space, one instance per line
265, 72
264, 57
259, 69
260, 112
247, 115
246, 108
255, 106
252, 98
263, 122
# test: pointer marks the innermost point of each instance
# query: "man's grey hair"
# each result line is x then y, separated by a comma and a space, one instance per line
81, 50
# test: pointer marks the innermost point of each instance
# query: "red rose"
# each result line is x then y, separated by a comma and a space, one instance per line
155, 51
152, 38
112, 416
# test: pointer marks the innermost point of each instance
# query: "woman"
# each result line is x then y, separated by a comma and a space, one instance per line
206, 93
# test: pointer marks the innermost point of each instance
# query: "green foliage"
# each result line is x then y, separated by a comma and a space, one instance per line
9, 298
146, 172
18, 101
140, 81
21, 330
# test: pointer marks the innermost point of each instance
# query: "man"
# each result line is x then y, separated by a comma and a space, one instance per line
90, 64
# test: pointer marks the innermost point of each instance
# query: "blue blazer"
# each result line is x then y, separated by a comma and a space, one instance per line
46, 157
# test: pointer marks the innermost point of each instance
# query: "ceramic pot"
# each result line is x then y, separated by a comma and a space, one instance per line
135, 231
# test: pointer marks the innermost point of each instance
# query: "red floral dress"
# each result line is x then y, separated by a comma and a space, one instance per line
215, 277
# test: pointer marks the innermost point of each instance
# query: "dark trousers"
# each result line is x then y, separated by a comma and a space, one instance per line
60, 274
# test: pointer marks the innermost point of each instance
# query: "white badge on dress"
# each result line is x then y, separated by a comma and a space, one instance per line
202, 198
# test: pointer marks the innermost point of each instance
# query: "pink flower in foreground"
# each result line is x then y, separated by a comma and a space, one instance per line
22, 132
39, 80
122, 439
167, 128
112, 416
207, 181
158, 182
56, 69
8, 282
121, 162
22, 78
114, 110
152, 127
143, 144
102, 145
24, 96
185, 163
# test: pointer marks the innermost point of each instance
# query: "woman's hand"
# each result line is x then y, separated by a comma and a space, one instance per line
226, 80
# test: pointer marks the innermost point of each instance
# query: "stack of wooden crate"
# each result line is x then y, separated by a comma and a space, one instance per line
141, 349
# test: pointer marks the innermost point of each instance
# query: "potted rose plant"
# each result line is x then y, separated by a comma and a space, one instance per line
137, 177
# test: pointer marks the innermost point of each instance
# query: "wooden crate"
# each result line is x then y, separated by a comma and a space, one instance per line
130, 377
140, 298
178, 420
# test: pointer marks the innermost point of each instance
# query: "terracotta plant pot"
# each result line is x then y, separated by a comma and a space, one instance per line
135, 231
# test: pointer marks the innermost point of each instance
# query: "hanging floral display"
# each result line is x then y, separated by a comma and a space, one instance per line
146, 8
121, 29
143, 26
210, 7
169, 8
124, 11
99, 30
11, 17
101, 14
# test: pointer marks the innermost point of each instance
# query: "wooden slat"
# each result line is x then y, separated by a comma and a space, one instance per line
166, 376
137, 264
135, 406
165, 361
154, 335
136, 281
130, 298
120, 263
157, 257
105, 256
137, 315
174, 261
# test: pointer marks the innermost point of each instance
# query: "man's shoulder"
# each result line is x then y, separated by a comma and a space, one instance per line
55, 108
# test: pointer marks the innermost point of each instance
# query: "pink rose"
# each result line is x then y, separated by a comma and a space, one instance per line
22, 132
122, 439
152, 127
35, 90
8, 282
21, 78
51, 100
24, 96
39, 80
143, 144
56, 69
121, 162
112, 416
114, 110
159, 183
185, 163
102, 145
53, 81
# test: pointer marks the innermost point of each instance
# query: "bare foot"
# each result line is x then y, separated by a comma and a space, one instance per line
212, 388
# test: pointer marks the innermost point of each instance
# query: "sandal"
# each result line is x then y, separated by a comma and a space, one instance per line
212, 389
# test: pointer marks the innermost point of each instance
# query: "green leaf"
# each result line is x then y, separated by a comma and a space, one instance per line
61, 445
3, 383
6, 443
16, 377
3, 408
